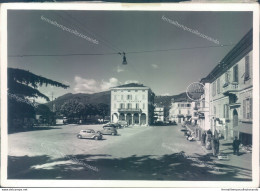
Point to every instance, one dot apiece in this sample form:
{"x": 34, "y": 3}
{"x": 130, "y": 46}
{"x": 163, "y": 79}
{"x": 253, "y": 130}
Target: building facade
{"x": 180, "y": 111}
{"x": 230, "y": 93}
{"x": 132, "y": 103}
{"x": 159, "y": 113}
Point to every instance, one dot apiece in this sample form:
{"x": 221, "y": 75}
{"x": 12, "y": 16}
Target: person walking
{"x": 236, "y": 144}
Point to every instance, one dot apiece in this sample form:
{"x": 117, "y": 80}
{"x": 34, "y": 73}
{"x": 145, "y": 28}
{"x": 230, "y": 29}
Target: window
{"x": 235, "y": 73}
{"x": 143, "y": 96}
{"x": 188, "y": 112}
{"x": 188, "y": 105}
{"x": 136, "y": 97}
{"x": 247, "y": 108}
{"x": 128, "y": 90}
{"x": 179, "y": 111}
{"x": 143, "y": 90}
{"x": 179, "y": 105}
{"x": 215, "y": 110}
{"x": 122, "y": 97}
{"x": 226, "y": 79}
{"x": 247, "y": 67}
{"x": 122, "y": 105}
{"x": 129, "y": 97}
{"x": 136, "y": 90}
{"x": 143, "y": 105}
{"x": 218, "y": 86}
{"x": 226, "y": 111}
{"x": 137, "y": 106}
{"x": 129, "y": 106}
{"x": 214, "y": 89}
{"x": 182, "y": 105}
{"x": 114, "y": 97}
{"x": 115, "y": 105}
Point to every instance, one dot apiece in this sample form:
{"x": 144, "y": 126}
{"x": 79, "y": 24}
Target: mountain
{"x": 94, "y": 99}
{"x": 104, "y": 97}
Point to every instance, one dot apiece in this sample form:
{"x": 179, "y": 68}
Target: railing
{"x": 129, "y": 109}
{"x": 230, "y": 87}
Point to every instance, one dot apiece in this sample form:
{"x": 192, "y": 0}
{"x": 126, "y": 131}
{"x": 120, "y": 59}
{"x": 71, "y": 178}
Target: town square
{"x": 130, "y": 95}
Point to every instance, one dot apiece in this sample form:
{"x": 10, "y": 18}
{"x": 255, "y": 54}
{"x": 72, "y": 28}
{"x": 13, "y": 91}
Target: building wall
{"x": 180, "y": 108}
{"x": 138, "y": 98}
{"x": 159, "y": 113}
{"x": 224, "y": 108}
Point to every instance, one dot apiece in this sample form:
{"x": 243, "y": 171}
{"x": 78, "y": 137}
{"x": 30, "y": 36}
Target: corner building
{"x": 230, "y": 92}
{"x": 133, "y": 103}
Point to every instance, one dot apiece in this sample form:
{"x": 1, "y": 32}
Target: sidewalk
{"x": 243, "y": 162}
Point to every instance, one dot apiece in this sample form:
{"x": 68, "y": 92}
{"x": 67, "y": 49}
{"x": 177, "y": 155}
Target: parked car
{"x": 174, "y": 123}
{"x": 122, "y": 123}
{"x": 108, "y": 130}
{"x": 159, "y": 123}
{"x": 116, "y": 125}
{"x": 90, "y": 134}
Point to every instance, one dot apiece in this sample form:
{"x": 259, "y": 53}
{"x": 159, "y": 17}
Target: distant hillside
{"x": 166, "y": 100}
{"x": 104, "y": 97}
{"x": 94, "y": 99}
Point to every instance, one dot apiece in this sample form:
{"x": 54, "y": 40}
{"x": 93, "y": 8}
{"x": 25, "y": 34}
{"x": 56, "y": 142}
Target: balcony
{"x": 230, "y": 88}
{"x": 131, "y": 110}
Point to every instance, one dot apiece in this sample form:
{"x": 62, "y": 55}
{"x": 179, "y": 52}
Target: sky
{"x": 140, "y": 34}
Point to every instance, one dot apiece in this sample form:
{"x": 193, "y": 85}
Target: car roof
{"x": 87, "y": 129}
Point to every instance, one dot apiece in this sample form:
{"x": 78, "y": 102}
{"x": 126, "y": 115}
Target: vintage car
{"x": 89, "y": 134}
{"x": 108, "y": 130}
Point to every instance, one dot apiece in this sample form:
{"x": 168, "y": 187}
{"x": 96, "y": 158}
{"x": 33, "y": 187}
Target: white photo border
{"x": 218, "y": 7}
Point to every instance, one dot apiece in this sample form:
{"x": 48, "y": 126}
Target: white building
{"x": 230, "y": 92}
{"x": 159, "y": 113}
{"x": 180, "y": 111}
{"x": 203, "y": 110}
{"x": 132, "y": 103}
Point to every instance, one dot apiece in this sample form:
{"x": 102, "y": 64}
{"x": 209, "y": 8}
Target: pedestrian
{"x": 203, "y": 139}
{"x": 236, "y": 144}
{"x": 215, "y": 146}
{"x": 209, "y": 132}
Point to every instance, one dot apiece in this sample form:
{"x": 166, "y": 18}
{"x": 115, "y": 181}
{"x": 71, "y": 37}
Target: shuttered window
{"x": 247, "y": 66}
{"x": 235, "y": 73}
{"x": 250, "y": 108}
{"x": 218, "y": 86}
{"x": 244, "y": 109}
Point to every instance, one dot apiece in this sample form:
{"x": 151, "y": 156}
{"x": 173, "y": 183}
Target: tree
{"x": 22, "y": 85}
{"x": 25, "y": 83}
{"x": 103, "y": 110}
{"x": 72, "y": 108}
{"x": 90, "y": 110}
{"x": 45, "y": 112}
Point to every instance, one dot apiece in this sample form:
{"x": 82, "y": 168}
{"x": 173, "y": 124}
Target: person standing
{"x": 236, "y": 144}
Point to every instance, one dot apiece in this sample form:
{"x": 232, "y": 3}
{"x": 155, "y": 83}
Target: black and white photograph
{"x": 159, "y": 95}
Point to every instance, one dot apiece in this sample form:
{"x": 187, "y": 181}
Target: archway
{"x": 114, "y": 117}
{"x": 136, "y": 118}
{"x": 143, "y": 119}
{"x": 235, "y": 123}
{"x": 129, "y": 119}
{"x": 122, "y": 117}
{"x": 235, "y": 118}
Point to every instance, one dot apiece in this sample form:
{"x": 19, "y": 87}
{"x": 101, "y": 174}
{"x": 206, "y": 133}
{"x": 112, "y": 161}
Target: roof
{"x": 240, "y": 50}
{"x": 131, "y": 85}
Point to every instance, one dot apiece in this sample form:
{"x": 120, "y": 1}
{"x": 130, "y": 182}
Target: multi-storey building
{"x": 159, "y": 113}
{"x": 203, "y": 110}
{"x": 132, "y": 103}
{"x": 230, "y": 92}
{"x": 180, "y": 111}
